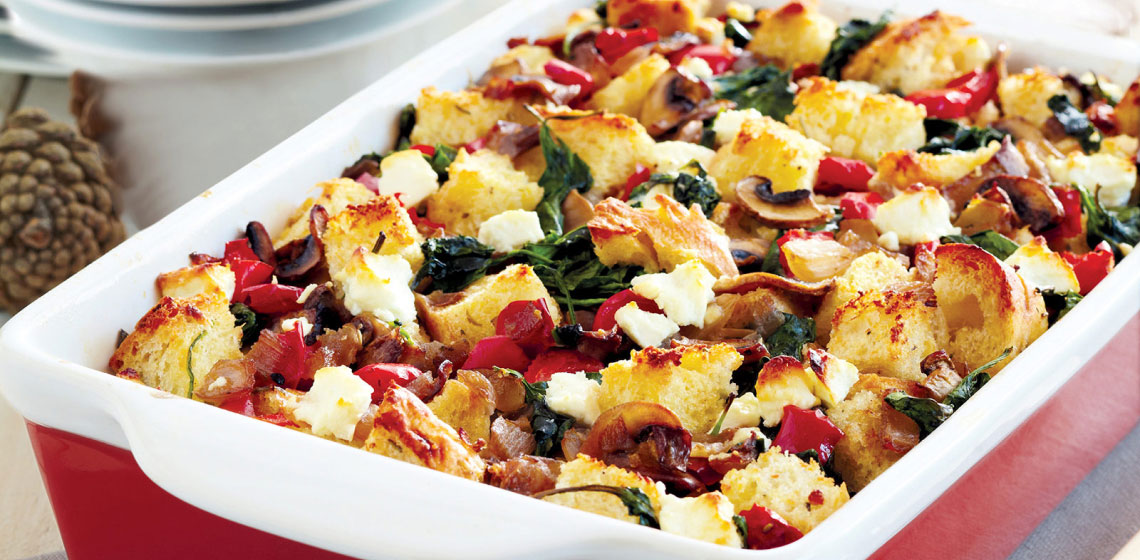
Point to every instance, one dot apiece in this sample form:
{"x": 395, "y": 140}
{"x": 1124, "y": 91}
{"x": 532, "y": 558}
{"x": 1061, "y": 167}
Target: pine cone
{"x": 57, "y": 206}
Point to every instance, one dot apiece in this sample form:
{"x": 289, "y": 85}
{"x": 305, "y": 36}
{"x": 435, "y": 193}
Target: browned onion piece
{"x": 572, "y": 442}
{"x": 646, "y": 438}
{"x": 745, "y": 283}
{"x": 335, "y": 348}
{"x": 512, "y": 139}
{"x": 527, "y": 475}
{"x": 509, "y": 392}
{"x": 509, "y": 439}
{"x": 226, "y": 378}
{"x": 1032, "y": 200}
{"x": 365, "y": 164}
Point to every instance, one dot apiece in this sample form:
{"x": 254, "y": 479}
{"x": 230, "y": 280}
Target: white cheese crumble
{"x": 308, "y": 291}
{"x": 575, "y": 395}
{"x": 697, "y": 67}
{"x": 378, "y": 284}
{"x": 335, "y": 403}
{"x": 836, "y": 379}
{"x": 511, "y": 230}
{"x": 889, "y": 241}
{"x": 299, "y": 322}
{"x": 645, "y": 328}
{"x": 916, "y": 216}
{"x": 743, "y": 412}
{"x": 707, "y": 517}
{"x": 1043, "y": 269}
{"x": 408, "y": 173}
{"x": 673, "y": 156}
{"x": 684, "y": 294}
{"x": 1114, "y": 176}
{"x": 728, "y": 123}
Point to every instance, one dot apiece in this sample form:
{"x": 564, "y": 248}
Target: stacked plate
{"x": 208, "y": 32}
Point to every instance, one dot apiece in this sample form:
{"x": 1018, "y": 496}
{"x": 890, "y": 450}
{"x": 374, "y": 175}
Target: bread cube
{"x": 667, "y": 16}
{"x": 185, "y": 283}
{"x": 464, "y": 318}
{"x": 707, "y": 517}
{"x": 889, "y": 332}
{"x": 455, "y": 118}
{"x": 692, "y": 381}
{"x": 793, "y": 34}
{"x": 916, "y": 54}
{"x": 625, "y": 93}
{"x": 406, "y": 429}
{"x": 1027, "y": 94}
{"x": 585, "y": 470}
{"x": 987, "y": 306}
{"x": 904, "y": 168}
{"x": 771, "y": 149}
{"x": 784, "y": 484}
{"x": 855, "y": 124}
{"x": 525, "y": 59}
{"x": 479, "y": 186}
{"x": 659, "y": 238}
{"x": 1128, "y": 110}
{"x": 360, "y": 226}
{"x": 872, "y": 271}
{"x": 611, "y": 145}
{"x": 336, "y": 195}
{"x": 466, "y": 404}
{"x": 178, "y": 341}
{"x": 875, "y": 435}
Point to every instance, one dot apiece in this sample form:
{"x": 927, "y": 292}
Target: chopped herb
{"x": 849, "y": 38}
{"x": 764, "y": 88}
{"x": 594, "y": 375}
{"x": 249, "y": 322}
{"x": 686, "y": 188}
{"x": 831, "y": 225}
{"x": 946, "y": 136}
{"x": 441, "y": 160}
{"x": 1060, "y": 304}
{"x": 380, "y": 239}
{"x": 736, "y": 31}
{"x": 635, "y": 501}
{"x": 720, "y": 420}
{"x": 1075, "y": 123}
{"x": 790, "y": 337}
{"x": 1113, "y": 225}
{"x": 565, "y": 171}
{"x": 190, "y": 363}
{"x": 278, "y": 379}
{"x": 808, "y": 455}
{"x": 741, "y": 527}
{"x": 993, "y": 242}
{"x": 601, "y": 8}
{"x": 406, "y": 122}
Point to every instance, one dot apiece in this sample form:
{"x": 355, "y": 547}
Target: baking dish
{"x": 338, "y": 499}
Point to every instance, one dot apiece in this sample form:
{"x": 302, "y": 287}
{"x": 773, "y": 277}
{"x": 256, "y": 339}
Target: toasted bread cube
{"x": 872, "y": 271}
{"x": 987, "y": 306}
{"x": 692, "y": 381}
{"x": 916, "y": 54}
{"x": 707, "y": 517}
{"x": 466, "y": 404}
{"x": 875, "y": 435}
{"x": 625, "y": 93}
{"x": 667, "y": 16}
{"x": 611, "y": 145}
{"x": 456, "y": 117}
{"x": 793, "y": 34}
{"x": 1128, "y": 110}
{"x": 784, "y": 484}
{"x": 1111, "y": 176}
{"x": 185, "y": 283}
{"x": 529, "y": 59}
{"x": 1121, "y": 146}
{"x": 479, "y": 186}
{"x": 469, "y": 316}
{"x": 1043, "y": 269}
{"x": 179, "y": 341}
{"x": 1027, "y": 94}
{"x": 771, "y": 149}
{"x": 659, "y": 238}
{"x": 781, "y": 382}
{"x": 904, "y": 168}
{"x": 360, "y": 226}
{"x": 406, "y": 429}
{"x": 336, "y": 195}
{"x": 855, "y": 124}
{"x": 889, "y": 332}
{"x": 584, "y": 470}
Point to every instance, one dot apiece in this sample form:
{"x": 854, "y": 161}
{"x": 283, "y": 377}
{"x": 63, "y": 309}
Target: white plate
{"x": 228, "y": 18}
{"x": 52, "y": 357}
{"x": 192, "y": 3}
{"x": 86, "y": 42}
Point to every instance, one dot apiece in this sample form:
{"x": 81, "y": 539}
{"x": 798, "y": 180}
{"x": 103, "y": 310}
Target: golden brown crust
{"x": 360, "y": 226}
{"x": 406, "y": 429}
{"x": 667, "y": 16}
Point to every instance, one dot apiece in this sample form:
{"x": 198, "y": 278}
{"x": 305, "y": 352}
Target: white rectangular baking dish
{"x": 52, "y": 355}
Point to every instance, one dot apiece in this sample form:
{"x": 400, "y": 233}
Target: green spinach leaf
{"x": 736, "y": 31}
{"x": 849, "y": 38}
{"x": 993, "y": 242}
{"x": 764, "y": 88}
{"x": 406, "y": 123}
{"x": 790, "y": 337}
{"x": 547, "y": 425}
{"x": 1113, "y": 225}
{"x": 686, "y": 188}
{"x": 570, "y": 269}
{"x": 946, "y": 136}
{"x": 249, "y": 322}
{"x": 1060, "y": 304}
{"x": 1075, "y": 123}
{"x": 441, "y": 160}
{"x": 927, "y": 413}
{"x": 190, "y": 364}
{"x": 565, "y": 171}
{"x": 453, "y": 263}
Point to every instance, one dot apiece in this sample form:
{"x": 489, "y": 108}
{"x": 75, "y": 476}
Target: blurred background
{"x": 180, "y": 93}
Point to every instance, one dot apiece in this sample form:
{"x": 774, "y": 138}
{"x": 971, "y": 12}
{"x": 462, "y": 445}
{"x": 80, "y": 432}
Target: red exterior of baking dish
{"x": 107, "y": 508}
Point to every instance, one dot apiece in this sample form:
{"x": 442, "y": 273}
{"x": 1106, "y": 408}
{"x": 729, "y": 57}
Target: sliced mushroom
{"x": 745, "y": 283}
{"x": 1006, "y": 161}
{"x": 260, "y": 242}
{"x": 300, "y": 256}
{"x": 984, "y": 212}
{"x": 751, "y": 349}
{"x": 512, "y": 139}
{"x": 1032, "y": 199}
{"x": 646, "y": 438}
{"x": 941, "y": 375}
{"x": 674, "y": 95}
{"x": 576, "y": 210}
{"x": 795, "y": 209}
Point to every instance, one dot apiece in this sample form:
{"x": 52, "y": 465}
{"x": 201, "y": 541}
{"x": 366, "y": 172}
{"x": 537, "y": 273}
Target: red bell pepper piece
{"x": 962, "y": 96}
{"x": 528, "y": 324}
{"x": 802, "y": 430}
{"x": 640, "y": 175}
{"x": 719, "y": 58}
{"x": 517, "y": 41}
{"x": 860, "y": 205}
{"x": 383, "y": 376}
{"x": 800, "y": 234}
{"x": 613, "y": 43}
{"x": 790, "y": 9}
{"x": 1070, "y": 225}
{"x": 417, "y": 220}
{"x": 424, "y": 149}
{"x": 802, "y": 71}
{"x": 838, "y": 174}
{"x": 699, "y": 467}
{"x": 476, "y": 145}
{"x": 248, "y": 273}
{"x": 239, "y": 250}
{"x": 241, "y": 403}
{"x": 292, "y": 364}
{"x": 766, "y": 529}
{"x": 497, "y": 351}
{"x": 559, "y": 360}
{"x": 570, "y": 75}
{"x": 1091, "y": 267}
{"x": 604, "y": 318}
{"x": 272, "y": 298}
{"x": 1103, "y": 116}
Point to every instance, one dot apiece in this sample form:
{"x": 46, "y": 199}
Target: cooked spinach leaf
{"x": 741, "y": 527}
{"x": 570, "y": 269}
{"x": 547, "y": 425}
{"x": 946, "y": 136}
{"x": 565, "y": 171}
{"x": 772, "y": 264}
{"x": 453, "y": 263}
{"x": 405, "y": 125}
{"x": 1113, "y": 225}
{"x": 441, "y": 160}
{"x": 190, "y": 363}
{"x": 849, "y": 38}
{"x": 634, "y": 500}
{"x": 736, "y": 31}
{"x": 966, "y": 389}
{"x": 1075, "y": 123}
{"x": 601, "y": 8}
{"x": 764, "y": 88}
{"x": 248, "y": 320}
{"x": 686, "y": 188}
{"x": 790, "y": 337}
{"x": 993, "y": 242}
{"x": 927, "y": 413}
{"x": 595, "y": 376}
{"x": 1060, "y": 304}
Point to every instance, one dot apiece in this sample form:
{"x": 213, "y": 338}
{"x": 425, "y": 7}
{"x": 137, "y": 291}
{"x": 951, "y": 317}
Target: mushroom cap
{"x": 58, "y": 206}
